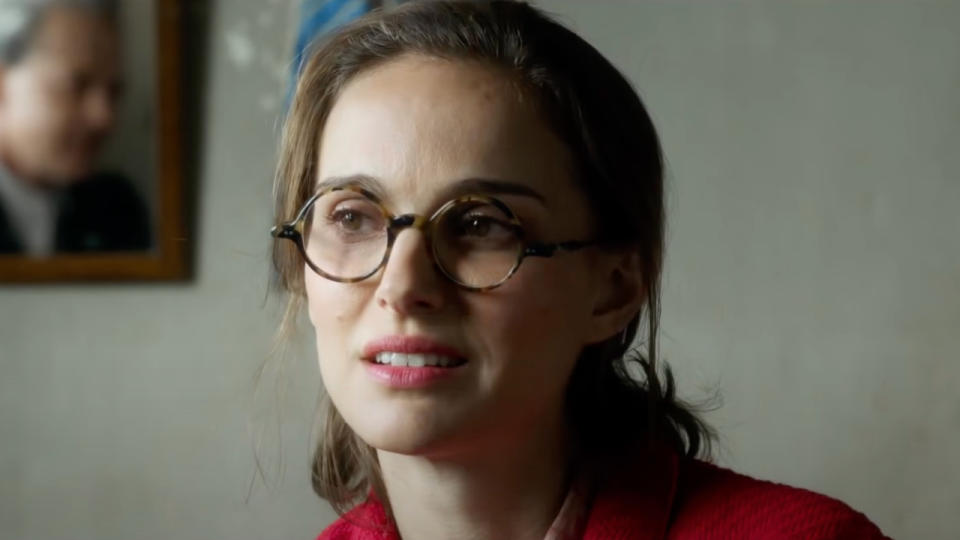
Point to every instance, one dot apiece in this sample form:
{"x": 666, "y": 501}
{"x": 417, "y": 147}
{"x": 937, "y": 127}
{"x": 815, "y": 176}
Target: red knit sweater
{"x": 677, "y": 499}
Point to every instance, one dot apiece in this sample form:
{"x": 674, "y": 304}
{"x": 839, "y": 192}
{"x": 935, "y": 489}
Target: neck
{"x": 511, "y": 490}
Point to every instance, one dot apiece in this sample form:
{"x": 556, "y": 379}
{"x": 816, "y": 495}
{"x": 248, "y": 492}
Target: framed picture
{"x": 91, "y": 172}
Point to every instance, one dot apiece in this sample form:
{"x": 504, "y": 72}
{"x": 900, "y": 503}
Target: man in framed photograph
{"x": 60, "y": 86}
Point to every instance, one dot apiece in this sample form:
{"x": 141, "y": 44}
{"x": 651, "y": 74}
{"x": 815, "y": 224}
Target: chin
{"x": 76, "y": 168}
{"x": 407, "y": 442}
{"x": 68, "y": 176}
{"x": 408, "y": 434}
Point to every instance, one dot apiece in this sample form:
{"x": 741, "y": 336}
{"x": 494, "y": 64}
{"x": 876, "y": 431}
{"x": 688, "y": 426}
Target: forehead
{"x": 76, "y": 35}
{"x": 419, "y": 123}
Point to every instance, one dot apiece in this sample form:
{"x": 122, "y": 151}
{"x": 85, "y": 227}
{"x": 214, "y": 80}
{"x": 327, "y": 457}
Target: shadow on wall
{"x": 195, "y": 37}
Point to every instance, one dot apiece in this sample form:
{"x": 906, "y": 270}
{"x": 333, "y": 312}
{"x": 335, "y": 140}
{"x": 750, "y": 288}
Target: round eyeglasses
{"x": 345, "y": 235}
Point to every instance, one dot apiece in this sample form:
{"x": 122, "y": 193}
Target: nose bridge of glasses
{"x": 408, "y": 221}
{"x": 400, "y": 223}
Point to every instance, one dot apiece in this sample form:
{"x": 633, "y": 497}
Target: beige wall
{"x": 813, "y": 276}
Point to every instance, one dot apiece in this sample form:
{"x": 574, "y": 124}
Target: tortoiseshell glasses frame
{"x": 294, "y": 231}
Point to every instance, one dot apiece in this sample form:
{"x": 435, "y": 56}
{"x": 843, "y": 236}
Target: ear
{"x": 620, "y": 293}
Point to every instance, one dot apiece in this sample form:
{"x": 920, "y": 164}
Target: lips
{"x": 418, "y": 345}
{"x": 412, "y": 362}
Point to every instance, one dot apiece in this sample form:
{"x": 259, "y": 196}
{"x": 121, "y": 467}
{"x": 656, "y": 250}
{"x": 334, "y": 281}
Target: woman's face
{"x": 420, "y": 128}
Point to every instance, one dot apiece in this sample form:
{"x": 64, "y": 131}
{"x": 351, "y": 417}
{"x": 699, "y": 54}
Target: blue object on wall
{"x": 320, "y": 16}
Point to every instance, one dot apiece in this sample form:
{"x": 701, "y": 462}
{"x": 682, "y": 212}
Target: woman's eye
{"x": 481, "y": 226}
{"x": 475, "y": 226}
{"x": 350, "y": 220}
{"x": 347, "y": 219}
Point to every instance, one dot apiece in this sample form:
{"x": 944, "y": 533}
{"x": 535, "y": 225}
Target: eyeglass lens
{"x": 346, "y": 235}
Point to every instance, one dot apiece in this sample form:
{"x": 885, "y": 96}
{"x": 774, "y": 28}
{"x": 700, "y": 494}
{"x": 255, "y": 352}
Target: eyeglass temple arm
{"x": 549, "y": 250}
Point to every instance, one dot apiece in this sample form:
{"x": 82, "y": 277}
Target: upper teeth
{"x": 414, "y": 360}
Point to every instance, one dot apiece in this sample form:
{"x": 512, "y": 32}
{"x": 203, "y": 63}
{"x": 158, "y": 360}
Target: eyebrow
{"x": 364, "y": 181}
{"x": 466, "y": 186}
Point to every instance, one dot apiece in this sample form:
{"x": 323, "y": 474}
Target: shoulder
{"x": 103, "y": 213}
{"x": 111, "y": 186}
{"x": 713, "y": 502}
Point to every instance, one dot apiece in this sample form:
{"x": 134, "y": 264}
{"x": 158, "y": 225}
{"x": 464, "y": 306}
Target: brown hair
{"x": 615, "y": 147}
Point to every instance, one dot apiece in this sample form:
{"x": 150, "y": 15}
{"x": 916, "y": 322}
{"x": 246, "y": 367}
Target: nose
{"x": 100, "y": 108}
{"x": 409, "y": 283}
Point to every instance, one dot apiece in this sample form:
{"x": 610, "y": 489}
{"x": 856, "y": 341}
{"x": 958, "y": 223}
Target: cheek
{"x": 538, "y": 315}
{"x": 37, "y": 115}
{"x": 334, "y": 309}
